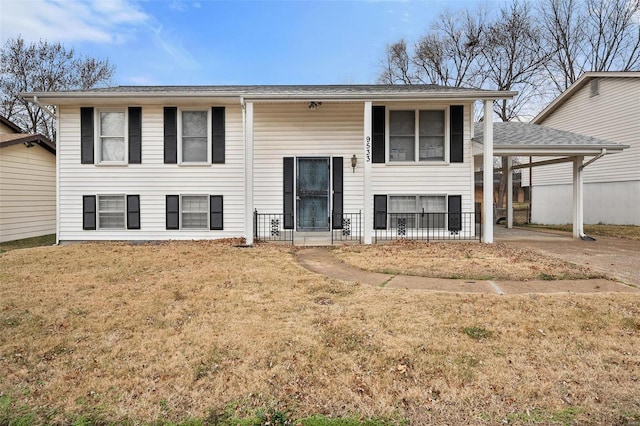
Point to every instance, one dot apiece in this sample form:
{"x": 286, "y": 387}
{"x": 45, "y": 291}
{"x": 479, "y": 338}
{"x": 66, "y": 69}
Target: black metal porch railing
{"x": 346, "y": 227}
{"x": 270, "y": 227}
{"x": 427, "y": 226}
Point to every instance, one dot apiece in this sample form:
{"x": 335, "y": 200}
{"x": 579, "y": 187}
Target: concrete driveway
{"x": 615, "y": 257}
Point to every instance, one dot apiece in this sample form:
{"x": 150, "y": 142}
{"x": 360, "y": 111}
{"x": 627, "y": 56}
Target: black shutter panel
{"x": 456, "y": 133}
{"x": 377, "y": 133}
{"x": 217, "y": 137}
{"x": 133, "y": 212}
{"x": 89, "y": 212}
{"x": 288, "y": 192}
{"x": 379, "y": 212}
{"x": 170, "y": 135}
{"x": 86, "y": 135}
{"x": 135, "y": 135}
{"x": 215, "y": 212}
{"x": 173, "y": 212}
{"x": 338, "y": 202}
{"x": 455, "y": 212}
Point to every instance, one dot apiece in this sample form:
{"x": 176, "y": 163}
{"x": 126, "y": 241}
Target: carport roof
{"x": 527, "y": 139}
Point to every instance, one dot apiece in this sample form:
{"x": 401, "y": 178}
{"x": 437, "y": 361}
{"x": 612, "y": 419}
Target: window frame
{"x": 209, "y": 129}
{"x": 416, "y": 198}
{"x": 98, "y": 137}
{"x": 416, "y": 135}
{"x": 99, "y": 227}
{"x": 206, "y": 213}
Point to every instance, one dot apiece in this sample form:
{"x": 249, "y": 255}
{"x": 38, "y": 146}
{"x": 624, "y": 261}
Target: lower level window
{"x": 194, "y": 211}
{"x": 417, "y": 211}
{"x": 111, "y": 212}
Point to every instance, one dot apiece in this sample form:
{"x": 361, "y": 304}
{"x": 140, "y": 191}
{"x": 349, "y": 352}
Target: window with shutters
{"x": 194, "y": 130}
{"x": 111, "y": 211}
{"x": 194, "y": 211}
{"x": 417, "y": 211}
{"x": 111, "y": 136}
{"x": 417, "y": 135}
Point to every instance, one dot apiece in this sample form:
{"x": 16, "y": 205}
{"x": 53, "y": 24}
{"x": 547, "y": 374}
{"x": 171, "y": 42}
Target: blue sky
{"x": 165, "y": 42}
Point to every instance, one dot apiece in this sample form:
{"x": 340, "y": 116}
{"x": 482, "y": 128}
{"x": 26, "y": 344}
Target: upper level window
{"x": 195, "y": 133}
{"x": 417, "y": 134}
{"x": 112, "y": 136}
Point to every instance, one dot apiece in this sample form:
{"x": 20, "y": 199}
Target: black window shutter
{"x": 456, "y": 133}
{"x": 288, "y": 192}
{"x": 379, "y": 212}
{"x": 133, "y": 212}
{"x": 377, "y": 133}
{"x": 170, "y": 135}
{"x": 217, "y": 136}
{"x": 338, "y": 201}
{"x": 173, "y": 212}
{"x": 89, "y": 212}
{"x": 135, "y": 135}
{"x": 86, "y": 135}
{"x": 216, "y": 212}
{"x": 455, "y": 212}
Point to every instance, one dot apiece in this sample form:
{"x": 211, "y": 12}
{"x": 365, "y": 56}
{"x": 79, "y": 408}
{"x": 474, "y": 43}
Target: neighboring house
{"x": 27, "y": 184}
{"x": 604, "y": 105}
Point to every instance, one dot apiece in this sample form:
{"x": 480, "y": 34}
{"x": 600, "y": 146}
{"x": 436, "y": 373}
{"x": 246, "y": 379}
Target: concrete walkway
{"x": 322, "y": 261}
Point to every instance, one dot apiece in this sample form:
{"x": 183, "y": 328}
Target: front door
{"x": 313, "y": 194}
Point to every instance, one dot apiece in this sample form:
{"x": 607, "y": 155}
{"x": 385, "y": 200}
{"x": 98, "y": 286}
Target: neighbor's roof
{"x": 10, "y": 139}
{"x": 525, "y": 139}
{"x": 577, "y": 85}
{"x": 276, "y": 92}
{"x": 13, "y": 126}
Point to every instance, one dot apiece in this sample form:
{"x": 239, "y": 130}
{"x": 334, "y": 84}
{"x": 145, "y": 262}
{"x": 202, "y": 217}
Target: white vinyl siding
{"x": 27, "y": 192}
{"x": 294, "y": 130}
{"x": 433, "y": 178}
{"x": 152, "y": 180}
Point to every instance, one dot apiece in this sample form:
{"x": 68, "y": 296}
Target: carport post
{"x": 487, "y": 173}
{"x": 578, "y": 211}
{"x": 509, "y": 192}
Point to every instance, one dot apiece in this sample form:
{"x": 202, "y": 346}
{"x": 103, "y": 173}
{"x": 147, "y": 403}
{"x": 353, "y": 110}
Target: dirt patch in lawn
{"x": 462, "y": 260}
{"x": 171, "y": 331}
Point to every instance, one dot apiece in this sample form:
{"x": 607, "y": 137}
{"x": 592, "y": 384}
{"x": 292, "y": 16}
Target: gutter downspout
{"x": 603, "y": 152}
{"x": 44, "y": 108}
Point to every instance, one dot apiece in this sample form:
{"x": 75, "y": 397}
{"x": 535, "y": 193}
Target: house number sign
{"x": 368, "y": 149}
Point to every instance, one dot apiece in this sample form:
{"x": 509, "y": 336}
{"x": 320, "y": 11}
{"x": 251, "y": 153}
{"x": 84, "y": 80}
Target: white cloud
{"x": 102, "y": 21}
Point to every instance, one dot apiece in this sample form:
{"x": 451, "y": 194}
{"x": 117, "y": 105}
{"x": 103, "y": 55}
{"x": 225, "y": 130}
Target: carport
{"x": 549, "y": 146}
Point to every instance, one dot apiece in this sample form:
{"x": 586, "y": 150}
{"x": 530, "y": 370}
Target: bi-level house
{"x": 358, "y": 162}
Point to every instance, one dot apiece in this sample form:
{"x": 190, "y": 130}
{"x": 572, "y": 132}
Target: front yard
{"x": 210, "y": 333}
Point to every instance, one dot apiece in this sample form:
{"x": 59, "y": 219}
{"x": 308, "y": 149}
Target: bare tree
{"x": 590, "y": 35}
{"x": 42, "y": 67}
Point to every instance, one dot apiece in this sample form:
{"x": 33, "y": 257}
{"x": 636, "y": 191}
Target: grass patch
{"x": 45, "y": 240}
{"x": 115, "y": 333}
{"x": 472, "y": 261}
{"x": 628, "y": 232}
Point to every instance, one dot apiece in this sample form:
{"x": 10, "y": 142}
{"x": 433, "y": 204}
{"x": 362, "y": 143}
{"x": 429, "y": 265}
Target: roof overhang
{"x": 28, "y": 140}
{"x": 238, "y": 94}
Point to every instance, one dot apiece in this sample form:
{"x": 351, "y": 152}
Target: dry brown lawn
{"x": 497, "y": 261}
{"x": 173, "y": 330}
{"x": 628, "y": 232}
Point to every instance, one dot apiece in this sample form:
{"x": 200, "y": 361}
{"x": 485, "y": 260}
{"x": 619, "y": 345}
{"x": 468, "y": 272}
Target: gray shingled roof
{"x": 281, "y": 89}
{"x": 527, "y": 135}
